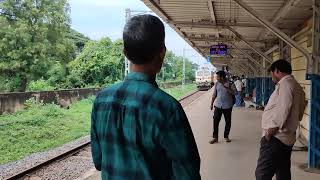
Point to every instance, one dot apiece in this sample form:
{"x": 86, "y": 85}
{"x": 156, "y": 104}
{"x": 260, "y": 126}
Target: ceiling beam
{"x": 212, "y": 25}
{"x": 236, "y": 69}
{"x": 212, "y": 13}
{"x": 275, "y": 30}
{"x": 230, "y": 59}
{"x": 271, "y": 50}
{"x": 222, "y": 25}
{"x": 202, "y": 47}
{"x": 197, "y": 30}
{"x": 211, "y": 41}
{"x": 280, "y": 14}
{"x": 222, "y": 39}
{"x": 212, "y": 38}
{"x": 245, "y": 66}
{"x": 248, "y": 56}
{"x": 250, "y": 45}
{"x": 154, "y": 6}
{"x": 244, "y": 69}
{"x": 218, "y": 64}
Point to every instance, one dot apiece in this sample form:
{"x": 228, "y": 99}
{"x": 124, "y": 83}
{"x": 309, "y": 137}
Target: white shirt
{"x": 284, "y": 110}
{"x": 239, "y": 85}
{"x": 244, "y": 81}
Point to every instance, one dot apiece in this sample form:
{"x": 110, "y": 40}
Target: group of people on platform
{"x": 140, "y": 132}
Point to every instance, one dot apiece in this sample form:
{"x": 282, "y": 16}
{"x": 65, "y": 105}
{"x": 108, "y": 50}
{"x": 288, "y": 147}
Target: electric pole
{"x": 184, "y": 68}
{"x": 126, "y": 60}
{"x": 130, "y": 13}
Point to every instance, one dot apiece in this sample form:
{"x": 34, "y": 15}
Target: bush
{"x": 32, "y": 103}
{"x": 57, "y": 76}
{"x": 40, "y": 85}
{"x": 9, "y": 83}
{"x": 88, "y": 100}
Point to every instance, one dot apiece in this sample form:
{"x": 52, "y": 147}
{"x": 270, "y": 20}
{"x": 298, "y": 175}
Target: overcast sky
{"x": 101, "y": 18}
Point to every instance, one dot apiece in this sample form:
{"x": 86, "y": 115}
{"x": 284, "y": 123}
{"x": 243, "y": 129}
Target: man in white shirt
{"x": 279, "y": 124}
{"x": 244, "y": 81}
{"x": 239, "y": 87}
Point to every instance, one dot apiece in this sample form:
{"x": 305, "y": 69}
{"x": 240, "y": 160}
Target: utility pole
{"x": 126, "y": 61}
{"x": 184, "y": 68}
{"x": 129, "y": 14}
{"x": 163, "y": 74}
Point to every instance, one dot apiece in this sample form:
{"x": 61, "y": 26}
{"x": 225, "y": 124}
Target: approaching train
{"x": 205, "y": 78}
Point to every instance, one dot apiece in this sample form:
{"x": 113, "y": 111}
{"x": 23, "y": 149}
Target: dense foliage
{"x": 172, "y": 68}
{"x": 39, "y": 51}
{"x": 33, "y": 37}
{"x": 100, "y": 63}
{"x": 79, "y": 40}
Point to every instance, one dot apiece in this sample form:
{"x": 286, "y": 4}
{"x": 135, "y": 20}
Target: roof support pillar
{"x": 314, "y": 133}
{"x": 275, "y": 30}
{"x": 254, "y": 70}
{"x": 314, "y": 64}
{"x": 285, "y": 51}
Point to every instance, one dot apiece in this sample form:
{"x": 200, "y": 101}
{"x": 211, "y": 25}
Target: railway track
{"x": 37, "y": 172}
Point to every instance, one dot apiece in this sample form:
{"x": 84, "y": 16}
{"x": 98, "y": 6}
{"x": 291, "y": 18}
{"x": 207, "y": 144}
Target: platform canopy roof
{"x": 203, "y": 23}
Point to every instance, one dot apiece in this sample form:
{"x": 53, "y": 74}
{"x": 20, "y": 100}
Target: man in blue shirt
{"x": 222, "y": 103}
{"x": 137, "y": 130}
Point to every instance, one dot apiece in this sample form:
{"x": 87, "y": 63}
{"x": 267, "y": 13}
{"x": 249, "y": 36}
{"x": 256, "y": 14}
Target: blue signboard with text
{"x": 220, "y": 49}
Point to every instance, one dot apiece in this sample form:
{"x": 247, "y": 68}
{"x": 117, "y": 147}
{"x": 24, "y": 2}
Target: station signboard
{"x": 219, "y": 49}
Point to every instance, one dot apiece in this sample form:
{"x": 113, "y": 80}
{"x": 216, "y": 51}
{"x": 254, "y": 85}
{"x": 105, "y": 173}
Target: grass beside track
{"x": 41, "y": 127}
{"x": 180, "y": 91}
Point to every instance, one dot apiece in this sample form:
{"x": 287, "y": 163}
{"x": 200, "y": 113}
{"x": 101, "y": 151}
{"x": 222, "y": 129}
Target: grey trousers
{"x": 274, "y": 159}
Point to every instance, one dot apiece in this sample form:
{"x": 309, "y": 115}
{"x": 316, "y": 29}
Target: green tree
{"x": 32, "y": 39}
{"x": 100, "y": 63}
{"x": 79, "y": 40}
{"x": 173, "y": 68}
{"x": 39, "y": 85}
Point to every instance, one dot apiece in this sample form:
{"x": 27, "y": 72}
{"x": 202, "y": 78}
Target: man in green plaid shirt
{"x": 137, "y": 130}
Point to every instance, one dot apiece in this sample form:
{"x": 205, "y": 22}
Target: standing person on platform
{"x": 279, "y": 124}
{"x": 137, "y": 130}
{"x": 239, "y": 87}
{"x": 222, "y": 103}
{"x": 244, "y": 81}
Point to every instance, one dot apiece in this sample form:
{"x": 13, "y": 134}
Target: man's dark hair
{"x": 143, "y": 38}
{"x": 281, "y": 65}
{"x": 222, "y": 74}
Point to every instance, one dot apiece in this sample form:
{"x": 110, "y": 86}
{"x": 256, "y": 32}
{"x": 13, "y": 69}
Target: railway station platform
{"x": 229, "y": 161}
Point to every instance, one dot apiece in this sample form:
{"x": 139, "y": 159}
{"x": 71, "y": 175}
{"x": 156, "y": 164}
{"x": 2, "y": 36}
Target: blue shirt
{"x": 223, "y": 97}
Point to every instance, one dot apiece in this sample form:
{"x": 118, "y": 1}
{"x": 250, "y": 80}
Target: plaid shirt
{"x": 140, "y": 132}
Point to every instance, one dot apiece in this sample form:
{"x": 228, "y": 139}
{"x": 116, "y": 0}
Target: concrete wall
{"x": 12, "y": 102}
{"x": 299, "y": 67}
{"x": 173, "y": 84}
